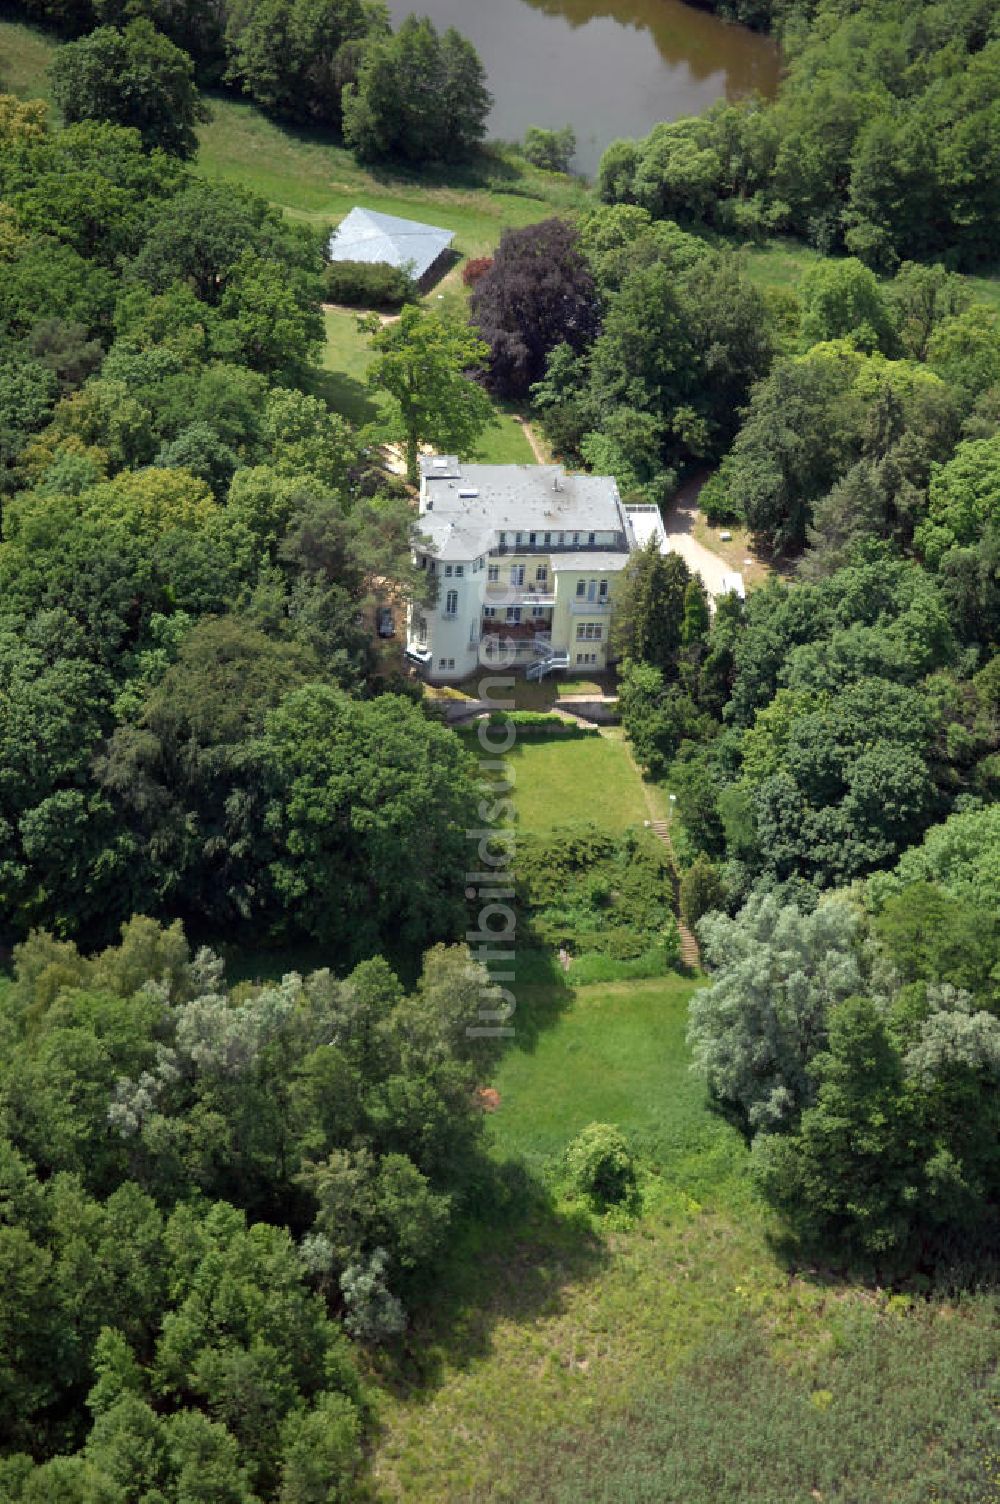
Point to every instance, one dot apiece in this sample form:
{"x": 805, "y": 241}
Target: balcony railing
{"x": 519, "y": 595}
{"x": 514, "y": 650}
{"x": 617, "y": 545}
{"x": 527, "y": 631}
{"x": 589, "y": 608}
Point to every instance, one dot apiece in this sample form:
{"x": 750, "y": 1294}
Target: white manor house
{"x": 528, "y": 562}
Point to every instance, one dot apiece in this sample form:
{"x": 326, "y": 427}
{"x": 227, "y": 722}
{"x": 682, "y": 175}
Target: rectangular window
{"x": 517, "y": 574}
{"x": 451, "y": 603}
{"x": 537, "y": 611}
{"x": 579, "y": 657}
{"x": 520, "y": 538}
{"x": 459, "y": 571}
{"x": 432, "y": 565}
{"x": 447, "y": 571}
{"x": 489, "y": 612}
{"x": 451, "y": 663}
{"x": 603, "y": 593}
{"x": 576, "y": 539}
{"x": 513, "y": 614}
{"x": 542, "y": 574}
{"x": 598, "y": 632}
{"x": 592, "y": 590}
{"x": 548, "y": 538}
{"x": 493, "y": 574}
{"x": 581, "y": 589}
{"x": 442, "y": 663}
{"x": 503, "y": 539}
{"x": 531, "y": 538}
{"x": 591, "y": 539}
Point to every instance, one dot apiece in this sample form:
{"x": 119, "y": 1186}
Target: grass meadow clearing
{"x": 673, "y": 1357}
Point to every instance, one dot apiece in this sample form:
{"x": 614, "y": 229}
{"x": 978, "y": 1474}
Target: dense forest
{"x": 883, "y": 139}
{"x": 215, "y": 1194}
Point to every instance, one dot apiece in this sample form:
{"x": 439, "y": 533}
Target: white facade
{"x": 445, "y": 637}
{"x": 526, "y": 561}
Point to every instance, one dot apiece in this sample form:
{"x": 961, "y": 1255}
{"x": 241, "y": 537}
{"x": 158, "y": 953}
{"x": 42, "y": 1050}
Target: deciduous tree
{"x": 426, "y": 366}
{"x": 135, "y": 77}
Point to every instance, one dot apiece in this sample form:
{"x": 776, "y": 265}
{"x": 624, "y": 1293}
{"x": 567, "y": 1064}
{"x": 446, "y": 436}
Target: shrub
{"x": 553, "y": 150}
{"x": 702, "y": 889}
{"x": 372, "y": 1312}
{"x": 540, "y": 721}
{"x": 368, "y": 284}
{"x": 476, "y": 268}
{"x": 599, "y": 1164}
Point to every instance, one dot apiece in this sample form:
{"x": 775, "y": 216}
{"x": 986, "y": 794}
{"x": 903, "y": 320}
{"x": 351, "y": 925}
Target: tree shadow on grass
{"x": 540, "y": 988}
{"x": 345, "y": 395}
{"x": 487, "y": 168}
{"x": 511, "y": 1259}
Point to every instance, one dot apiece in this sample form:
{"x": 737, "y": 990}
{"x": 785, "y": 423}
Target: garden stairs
{"x": 689, "y": 945}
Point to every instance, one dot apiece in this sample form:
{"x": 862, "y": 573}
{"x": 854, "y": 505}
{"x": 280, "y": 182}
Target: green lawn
{"x": 25, "y": 54}
{"x": 504, "y": 444}
{"x": 313, "y": 177}
{"x": 564, "y": 779}
{"x": 779, "y": 263}
{"x": 346, "y": 358}
{"x": 617, "y": 1056}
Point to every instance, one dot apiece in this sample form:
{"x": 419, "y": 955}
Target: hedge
{"x": 368, "y": 284}
{"x": 539, "y": 721}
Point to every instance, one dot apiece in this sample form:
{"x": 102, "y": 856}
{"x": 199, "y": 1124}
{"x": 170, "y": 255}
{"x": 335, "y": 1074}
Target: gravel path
{"x": 678, "y": 524}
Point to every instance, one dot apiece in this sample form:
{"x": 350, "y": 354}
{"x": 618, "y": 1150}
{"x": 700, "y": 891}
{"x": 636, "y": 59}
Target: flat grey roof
{"x": 464, "y": 507}
{"x": 366, "y": 235}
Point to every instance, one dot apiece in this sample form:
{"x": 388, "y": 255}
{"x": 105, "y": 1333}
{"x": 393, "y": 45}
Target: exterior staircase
{"x": 546, "y": 661}
{"x": 690, "y": 954}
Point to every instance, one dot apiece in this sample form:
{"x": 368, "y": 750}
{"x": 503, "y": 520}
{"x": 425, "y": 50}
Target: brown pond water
{"x": 608, "y": 69}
